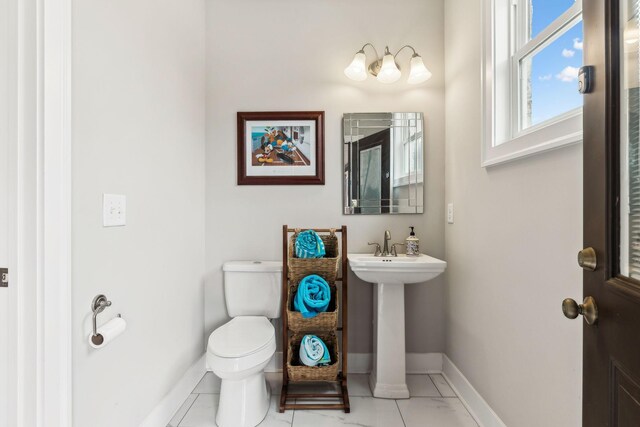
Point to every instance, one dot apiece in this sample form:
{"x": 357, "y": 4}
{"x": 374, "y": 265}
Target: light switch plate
{"x": 114, "y": 210}
{"x": 450, "y": 213}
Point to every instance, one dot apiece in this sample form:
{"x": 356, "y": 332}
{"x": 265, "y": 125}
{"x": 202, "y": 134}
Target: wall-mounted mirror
{"x": 383, "y": 163}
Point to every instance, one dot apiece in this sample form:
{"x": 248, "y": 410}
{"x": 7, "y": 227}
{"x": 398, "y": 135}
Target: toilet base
{"x": 244, "y": 402}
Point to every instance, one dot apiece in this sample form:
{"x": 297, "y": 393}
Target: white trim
{"x": 362, "y": 363}
{"x": 169, "y": 405}
{"x": 424, "y": 363}
{"x": 27, "y": 213}
{"x": 275, "y": 364}
{"x": 469, "y": 396}
{"x": 10, "y": 313}
{"x": 54, "y": 281}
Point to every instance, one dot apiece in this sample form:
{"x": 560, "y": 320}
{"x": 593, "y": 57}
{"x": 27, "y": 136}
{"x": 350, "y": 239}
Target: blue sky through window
{"x": 554, "y": 70}
{"x": 544, "y": 12}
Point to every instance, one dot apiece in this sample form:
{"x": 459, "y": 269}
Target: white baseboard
{"x": 424, "y": 363}
{"x": 275, "y": 365}
{"x": 162, "y": 414}
{"x": 361, "y": 363}
{"x": 475, "y": 404}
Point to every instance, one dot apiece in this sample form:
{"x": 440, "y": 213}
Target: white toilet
{"x": 239, "y": 350}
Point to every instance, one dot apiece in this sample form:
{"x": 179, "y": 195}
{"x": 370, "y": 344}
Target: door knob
{"x": 588, "y": 309}
{"x": 587, "y": 259}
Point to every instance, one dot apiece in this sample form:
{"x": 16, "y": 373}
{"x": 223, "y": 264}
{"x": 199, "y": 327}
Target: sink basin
{"x": 401, "y": 269}
{"x": 389, "y": 274}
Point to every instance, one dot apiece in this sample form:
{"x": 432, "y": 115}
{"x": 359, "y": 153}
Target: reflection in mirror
{"x": 383, "y": 163}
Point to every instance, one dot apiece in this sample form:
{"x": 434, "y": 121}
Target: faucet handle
{"x": 394, "y": 251}
{"x": 378, "y": 251}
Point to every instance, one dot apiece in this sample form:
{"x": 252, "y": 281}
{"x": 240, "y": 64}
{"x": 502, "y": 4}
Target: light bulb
{"x": 357, "y": 70}
{"x": 419, "y": 73}
{"x": 389, "y": 72}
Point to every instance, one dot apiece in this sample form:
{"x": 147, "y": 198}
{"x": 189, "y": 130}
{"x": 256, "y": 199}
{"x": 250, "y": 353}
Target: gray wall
{"x": 511, "y": 253}
{"x": 138, "y": 130}
{"x": 293, "y": 59}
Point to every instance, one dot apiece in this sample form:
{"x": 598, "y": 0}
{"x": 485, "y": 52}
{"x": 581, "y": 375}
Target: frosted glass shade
{"x": 357, "y": 70}
{"x": 419, "y": 73}
{"x": 389, "y": 72}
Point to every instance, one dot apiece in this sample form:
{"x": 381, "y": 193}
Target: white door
{"x": 8, "y": 342}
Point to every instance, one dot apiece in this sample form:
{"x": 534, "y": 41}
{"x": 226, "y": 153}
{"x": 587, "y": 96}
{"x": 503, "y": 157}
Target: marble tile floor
{"x": 433, "y": 403}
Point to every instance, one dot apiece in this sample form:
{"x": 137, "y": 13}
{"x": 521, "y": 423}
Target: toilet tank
{"x": 253, "y": 288}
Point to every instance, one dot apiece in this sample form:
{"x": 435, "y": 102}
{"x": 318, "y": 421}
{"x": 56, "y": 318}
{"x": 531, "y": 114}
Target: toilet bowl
{"x": 238, "y": 352}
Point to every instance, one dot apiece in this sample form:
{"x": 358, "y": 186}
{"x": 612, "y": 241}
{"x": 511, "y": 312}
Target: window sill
{"x": 551, "y": 136}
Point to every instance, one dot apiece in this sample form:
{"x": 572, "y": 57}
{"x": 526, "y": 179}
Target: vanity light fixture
{"x": 386, "y": 70}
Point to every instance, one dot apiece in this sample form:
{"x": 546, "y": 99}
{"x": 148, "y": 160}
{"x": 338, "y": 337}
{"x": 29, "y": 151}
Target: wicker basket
{"x": 300, "y": 372}
{"x": 327, "y": 321}
{"x": 326, "y": 267}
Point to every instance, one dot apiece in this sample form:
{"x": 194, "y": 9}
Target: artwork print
{"x": 280, "y": 148}
{"x": 276, "y": 146}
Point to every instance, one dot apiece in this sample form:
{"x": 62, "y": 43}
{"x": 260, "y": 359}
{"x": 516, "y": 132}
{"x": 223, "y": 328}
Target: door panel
{"x": 611, "y": 180}
{"x": 626, "y": 399}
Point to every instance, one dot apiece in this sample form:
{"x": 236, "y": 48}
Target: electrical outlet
{"x": 114, "y": 210}
{"x": 450, "y": 213}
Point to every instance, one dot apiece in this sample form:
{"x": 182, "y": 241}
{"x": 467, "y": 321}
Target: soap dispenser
{"x": 413, "y": 244}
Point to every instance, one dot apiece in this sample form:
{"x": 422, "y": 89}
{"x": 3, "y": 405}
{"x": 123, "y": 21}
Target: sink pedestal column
{"x": 387, "y": 379}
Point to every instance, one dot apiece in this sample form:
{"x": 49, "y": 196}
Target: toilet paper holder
{"x": 99, "y": 303}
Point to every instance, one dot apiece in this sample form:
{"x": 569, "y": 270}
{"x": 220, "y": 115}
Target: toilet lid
{"x": 241, "y": 336}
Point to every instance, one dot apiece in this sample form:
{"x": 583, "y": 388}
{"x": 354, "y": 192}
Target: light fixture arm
{"x": 403, "y": 47}
{"x": 372, "y": 47}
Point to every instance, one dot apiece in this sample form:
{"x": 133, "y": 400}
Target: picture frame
{"x": 281, "y": 148}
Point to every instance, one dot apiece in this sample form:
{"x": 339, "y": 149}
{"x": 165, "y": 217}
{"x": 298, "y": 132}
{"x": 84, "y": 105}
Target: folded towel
{"x": 309, "y": 245}
{"x": 314, "y": 352}
{"x": 312, "y": 297}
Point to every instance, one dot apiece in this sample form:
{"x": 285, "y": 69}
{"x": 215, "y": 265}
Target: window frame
{"x": 505, "y": 44}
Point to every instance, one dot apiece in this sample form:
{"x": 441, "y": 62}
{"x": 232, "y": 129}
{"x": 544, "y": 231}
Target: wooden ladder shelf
{"x": 339, "y": 399}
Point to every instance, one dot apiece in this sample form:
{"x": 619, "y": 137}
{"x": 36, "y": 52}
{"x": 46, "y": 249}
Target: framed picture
{"x": 281, "y": 148}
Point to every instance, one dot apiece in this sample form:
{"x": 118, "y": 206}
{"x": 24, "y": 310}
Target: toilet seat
{"x": 242, "y": 343}
{"x": 242, "y": 336}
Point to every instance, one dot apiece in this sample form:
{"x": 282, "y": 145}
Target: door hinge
{"x": 4, "y": 277}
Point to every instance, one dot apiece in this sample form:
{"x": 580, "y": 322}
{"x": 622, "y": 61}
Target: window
{"x": 532, "y": 54}
{"x": 408, "y": 156}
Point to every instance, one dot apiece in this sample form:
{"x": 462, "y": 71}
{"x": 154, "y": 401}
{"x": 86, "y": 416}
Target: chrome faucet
{"x": 385, "y": 248}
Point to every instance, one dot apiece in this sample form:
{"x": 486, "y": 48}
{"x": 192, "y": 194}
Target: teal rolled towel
{"x": 312, "y": 297}
{"x": 314, "y": 352}
{"x": 309, "y": 245}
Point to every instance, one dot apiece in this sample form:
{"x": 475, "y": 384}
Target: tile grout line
{"x": 400, "y": 412}
{"x": 449, "y": 384}
{"x": 187, "y": 411}
{"x": 435, "y": 385}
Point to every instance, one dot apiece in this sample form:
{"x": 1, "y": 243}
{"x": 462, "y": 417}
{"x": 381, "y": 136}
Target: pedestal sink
{"x": 390, "y": 274}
